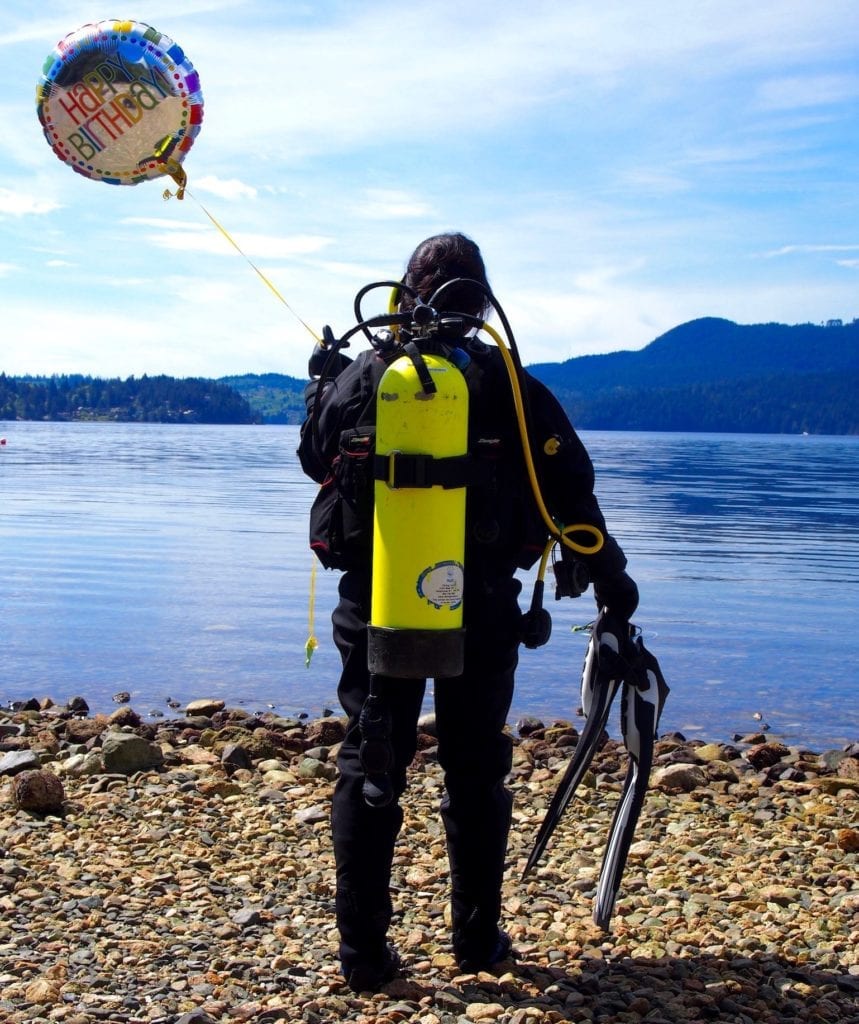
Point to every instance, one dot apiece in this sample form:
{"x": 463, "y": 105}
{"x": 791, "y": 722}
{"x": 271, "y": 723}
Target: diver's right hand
{"x": 321, "y": 353}
{"x": 318, "y": 359}
{"x": 316, "y": 363}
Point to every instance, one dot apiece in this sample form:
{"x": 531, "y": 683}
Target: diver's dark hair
{"x": 444, "y": 258}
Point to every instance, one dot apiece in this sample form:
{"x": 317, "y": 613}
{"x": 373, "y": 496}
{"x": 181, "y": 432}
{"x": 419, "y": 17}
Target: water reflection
{"x": 172, "y": 561}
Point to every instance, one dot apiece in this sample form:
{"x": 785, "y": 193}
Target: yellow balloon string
{"x": 312, "y": 642}
{"x": 177, "y": 173}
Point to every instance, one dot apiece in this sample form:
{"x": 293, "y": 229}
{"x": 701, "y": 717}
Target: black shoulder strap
{"x": 371, "y": 373}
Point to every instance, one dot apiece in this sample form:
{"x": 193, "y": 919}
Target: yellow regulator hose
{"x": 557, "y": 533}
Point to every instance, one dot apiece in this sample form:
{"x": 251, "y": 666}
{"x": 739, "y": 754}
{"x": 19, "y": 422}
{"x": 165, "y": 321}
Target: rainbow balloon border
{"x": 98, "y": 38}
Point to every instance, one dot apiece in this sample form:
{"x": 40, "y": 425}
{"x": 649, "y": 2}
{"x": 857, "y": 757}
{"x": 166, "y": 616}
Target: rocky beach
{"x": 179, "y": 871}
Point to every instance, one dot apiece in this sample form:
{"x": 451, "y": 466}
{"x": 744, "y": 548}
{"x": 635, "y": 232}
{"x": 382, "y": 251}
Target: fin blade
{"x": 602, "y": 693}
{"x": 643, "y": 714}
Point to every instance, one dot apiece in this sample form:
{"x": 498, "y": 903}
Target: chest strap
{"x": 399, "y": 469}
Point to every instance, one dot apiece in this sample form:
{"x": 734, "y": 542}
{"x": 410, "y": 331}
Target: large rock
{"x": 563, "y": 735}
{"x": 765, "y": 755}
{"x": 196, "y": 755}
{"x": 721, "y": 771}
{"x": 125, "y": 716}
{"x": 89, "y": 763}
{"x": 204, "y": 708}
{"x": 311, "y": 768}
{"x": 18, "y": 761}
{"x": 126, "y": 753}
{"x": 683, "y": 777}
{"x": 312, "y": 815}
{"x": 43, "y": 992}
{"x": 25, "y": 705}
{"x": 219, "y": 787}
{"x": 325, "y": 732}
{"x": 847, "y": 839}
{"x": 835, "y": 783}
{"x": 81, "y": 730}
{"x": 261, "y": 744}
{"x": 710, "y": 752}
{"x": 527, "y": 725}
{"x": 235, "y": 756}
{"x": 40, "y": 791}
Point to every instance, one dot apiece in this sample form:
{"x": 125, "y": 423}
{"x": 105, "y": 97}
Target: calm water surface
{"x": 171, "y": 562}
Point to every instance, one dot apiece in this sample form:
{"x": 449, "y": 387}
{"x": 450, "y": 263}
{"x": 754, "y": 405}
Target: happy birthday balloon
{"x": 119, "y": 102}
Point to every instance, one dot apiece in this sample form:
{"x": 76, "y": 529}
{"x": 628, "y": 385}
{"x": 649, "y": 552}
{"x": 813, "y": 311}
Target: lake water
{"x": 171, "y": 562}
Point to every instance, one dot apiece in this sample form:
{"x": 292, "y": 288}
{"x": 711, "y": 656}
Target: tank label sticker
{"x": 442, "y": 584}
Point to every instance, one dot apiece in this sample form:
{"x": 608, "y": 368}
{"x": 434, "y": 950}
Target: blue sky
{"x": 624, "y": 166}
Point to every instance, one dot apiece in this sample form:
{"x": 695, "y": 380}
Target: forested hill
{"x": 715, "y": 375}
{"x": 709, "y": 351}
{"x": 275, "y": 397}
{"x": 135, "y": 400}
{"x": 705, "y": 375}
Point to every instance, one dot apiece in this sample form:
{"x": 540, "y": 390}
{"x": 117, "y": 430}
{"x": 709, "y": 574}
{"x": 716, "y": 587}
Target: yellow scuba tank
{"x": 415, "y": 628}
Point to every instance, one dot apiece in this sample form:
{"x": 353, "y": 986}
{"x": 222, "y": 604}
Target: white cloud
{"x": 224, "y": 188}
{"x": 257, "y": 246}
{"x": 165, "y": 223}
{"x": 518, "y": 59}
{"x": 797, "y": 91}
{"x": 20, "y": 204}
{"x": 624, "y": 167}
{"x": 552, "y": 325}
{"x": 200, "y": 291}
{"x": 652, "y": 181}
{"x": 358, "y": 274}
{"x": 391, "y": 204}
{"x": 793, "y": 250}
{"x": 602, "y": 278}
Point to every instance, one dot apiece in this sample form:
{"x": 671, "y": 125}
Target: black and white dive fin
{"x": 644, "y": 695}
{"x": 601, "y": 679}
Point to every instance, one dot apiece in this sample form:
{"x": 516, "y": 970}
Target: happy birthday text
{"x": 102, "y": 112}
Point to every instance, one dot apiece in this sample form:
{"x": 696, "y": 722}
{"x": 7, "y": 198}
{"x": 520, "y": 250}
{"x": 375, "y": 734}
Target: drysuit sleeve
{"x": 340, "y": 400}
{"x": 314, "y": 448}
{"x": 311, "y": 463}
{"x": 567, "y": 479}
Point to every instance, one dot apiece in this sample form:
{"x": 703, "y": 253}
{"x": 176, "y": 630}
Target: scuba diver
{"x": 434, "y": 314}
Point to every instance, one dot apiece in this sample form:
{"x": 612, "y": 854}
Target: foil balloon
{"x": 120, "y": 102}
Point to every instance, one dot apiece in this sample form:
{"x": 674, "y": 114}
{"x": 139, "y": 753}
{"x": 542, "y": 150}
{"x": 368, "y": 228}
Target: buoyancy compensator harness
{"x": 421, "y": 471}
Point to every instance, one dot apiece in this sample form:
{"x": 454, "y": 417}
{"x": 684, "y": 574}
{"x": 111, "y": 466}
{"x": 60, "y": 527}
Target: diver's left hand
{"x": 618, "y": 593}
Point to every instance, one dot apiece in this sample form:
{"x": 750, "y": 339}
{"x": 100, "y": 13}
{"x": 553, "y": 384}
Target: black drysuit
{"x": 503, "y": 532}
